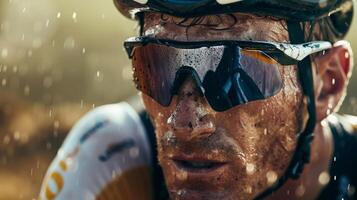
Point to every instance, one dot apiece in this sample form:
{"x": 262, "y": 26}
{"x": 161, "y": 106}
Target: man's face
{"x": 235, "y": 154}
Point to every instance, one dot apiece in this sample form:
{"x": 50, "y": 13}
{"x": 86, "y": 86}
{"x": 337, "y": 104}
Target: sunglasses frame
{"x": 283, "y": 53}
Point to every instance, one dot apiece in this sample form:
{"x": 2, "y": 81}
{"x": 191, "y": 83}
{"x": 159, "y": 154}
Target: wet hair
{"x": 214, "y": 22}
{"x": 321, "y": 29}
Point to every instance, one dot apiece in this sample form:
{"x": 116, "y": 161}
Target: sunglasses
{"x": 229, "y": 73}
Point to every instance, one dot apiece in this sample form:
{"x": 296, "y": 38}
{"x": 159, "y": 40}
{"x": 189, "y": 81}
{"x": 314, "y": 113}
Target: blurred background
{"x": 59, "y": 59}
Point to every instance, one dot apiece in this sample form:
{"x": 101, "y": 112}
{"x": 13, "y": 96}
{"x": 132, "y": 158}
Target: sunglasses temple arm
{"x": 299, "y": 52}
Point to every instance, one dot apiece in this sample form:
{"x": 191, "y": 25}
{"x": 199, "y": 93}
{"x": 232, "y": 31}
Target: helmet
{"x": 338, "y": 13}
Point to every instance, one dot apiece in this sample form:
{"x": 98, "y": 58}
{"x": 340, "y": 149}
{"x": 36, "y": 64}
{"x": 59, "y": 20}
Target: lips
{"x": 197, "y": 164}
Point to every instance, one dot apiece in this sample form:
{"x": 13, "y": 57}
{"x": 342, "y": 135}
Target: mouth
{"x": 198, "y": 166}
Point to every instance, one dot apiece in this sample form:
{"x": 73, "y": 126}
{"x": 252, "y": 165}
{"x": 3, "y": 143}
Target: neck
{"x": 308, "y": 185}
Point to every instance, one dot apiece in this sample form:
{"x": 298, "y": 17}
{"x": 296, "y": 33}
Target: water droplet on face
{"x": 169, "y": 137}
{"x": 300, "y": 191}
{"x": 333, "y": 81}
{"x": 324, "y": 178}
{"x": 250, "y": 168}
{"x": 249, "y": 189}
{"x": 181, "y": 175}
{"x": 272, "y": 177}
{"x": 181, "y": 193}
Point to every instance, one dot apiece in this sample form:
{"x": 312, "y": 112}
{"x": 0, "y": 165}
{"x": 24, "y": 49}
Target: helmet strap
{"x": 302, "y": 152}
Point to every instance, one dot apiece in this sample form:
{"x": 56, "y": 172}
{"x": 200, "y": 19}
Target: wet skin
{"x": 249, "y": 145}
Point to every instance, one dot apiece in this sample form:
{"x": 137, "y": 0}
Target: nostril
{"x": 190, "y": 125}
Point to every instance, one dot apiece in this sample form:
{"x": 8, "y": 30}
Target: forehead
{"x": 237, "y": 26}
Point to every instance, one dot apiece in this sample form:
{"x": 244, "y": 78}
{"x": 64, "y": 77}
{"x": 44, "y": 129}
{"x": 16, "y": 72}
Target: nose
{"x": 192, "y": 117}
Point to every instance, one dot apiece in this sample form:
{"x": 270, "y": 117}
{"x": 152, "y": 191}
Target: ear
{"x": 333, "y": 71}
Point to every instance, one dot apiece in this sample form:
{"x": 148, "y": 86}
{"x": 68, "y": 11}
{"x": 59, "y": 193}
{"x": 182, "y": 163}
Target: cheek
{"x": 266, "y": 130}
{"x": 159, "y": 116}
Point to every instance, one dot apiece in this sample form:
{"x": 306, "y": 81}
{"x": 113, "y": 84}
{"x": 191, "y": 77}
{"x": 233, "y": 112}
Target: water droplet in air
{"x": 48, "y": 145}
{"x": 324, "y": 178}
{"x": 59, "y": 15}
{"x": 6, "y": 140}
{"x": 27, "y": 90}
{"x": 47, "y": 82}
{"x": 69, "y": 43}
{"x": 4, "y": 52}
{"x": 74, "y": 17}
{"x": 3, "y": 82}
{"x": 29, "y": 53}
{"x": 37, "y": 43}
{"x": 17, "y": 135}
{"x": 56, "y": 124}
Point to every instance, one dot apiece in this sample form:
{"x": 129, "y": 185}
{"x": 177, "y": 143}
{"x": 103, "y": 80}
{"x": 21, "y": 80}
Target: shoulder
{"x": 107, "y": 144}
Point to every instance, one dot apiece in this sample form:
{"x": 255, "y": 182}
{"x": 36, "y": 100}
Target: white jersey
{"x": 106, "y": 156}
